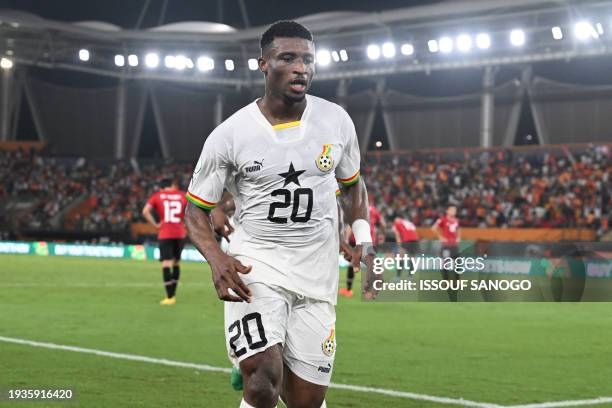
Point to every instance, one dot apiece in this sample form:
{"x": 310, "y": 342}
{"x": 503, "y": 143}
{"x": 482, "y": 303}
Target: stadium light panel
{"x": 343, "y": 55}
{"x": 335, "y": 56}
{"x": 323, "y": 58}
{"x": 119, "y": 60}
{"x": 6, "y": 63}
{"x": 483, "y": 41}
{"x": 378, "y": 144}
{"x": 388, "y": 50}
{"x": 170, "y": 61}
{"x": 583, "y": 30}
{"x": 600, "y": 29}
{"x": 180, "y": 62}
{"x": 373, "y": 51}
{"x": 557, "y": 33}
{"x": 407, "y": 49}
{"x": 132, "y": 60}
{"x": 189, "y": 63}
{"x": 229, "y": 64}
{"x": 253, "y": 64}
{"x": 84, "y": 55}
{"x": 433, "y": 46}
{"x": 517, "y": 38}
{"x": 464, "y": 43}
{"x": 446, "y": 45}
{"x": 152, "y": 60}
{"x": 205, "y": 63}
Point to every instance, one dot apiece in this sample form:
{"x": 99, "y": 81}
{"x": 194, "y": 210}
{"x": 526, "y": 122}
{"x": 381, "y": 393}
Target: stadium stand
{"x": 551, "y": 187}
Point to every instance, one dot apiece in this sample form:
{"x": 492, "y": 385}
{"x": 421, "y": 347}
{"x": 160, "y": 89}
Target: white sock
{"x": 323, "y": 405}
{"x": 244, "y": 404}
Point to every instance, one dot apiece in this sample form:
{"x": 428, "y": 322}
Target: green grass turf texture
{"x": 504, "y": 353}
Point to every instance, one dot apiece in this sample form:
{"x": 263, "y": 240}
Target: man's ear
{"x": 263, "y": 65}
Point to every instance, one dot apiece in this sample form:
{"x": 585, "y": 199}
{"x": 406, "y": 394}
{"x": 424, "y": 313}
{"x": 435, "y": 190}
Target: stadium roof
{"x": 344, "y": 35}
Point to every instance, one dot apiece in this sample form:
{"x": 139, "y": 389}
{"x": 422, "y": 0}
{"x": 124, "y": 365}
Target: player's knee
{"x": 262, "y": 385}
{"x": 176, "y": 262}
{"x": 263, "y": 390}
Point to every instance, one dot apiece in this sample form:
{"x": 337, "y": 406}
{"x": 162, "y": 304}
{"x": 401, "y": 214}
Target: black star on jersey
{"x": 291, "y": 176}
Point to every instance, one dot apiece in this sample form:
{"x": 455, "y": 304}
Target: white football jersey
{"x": 284, "y": 179}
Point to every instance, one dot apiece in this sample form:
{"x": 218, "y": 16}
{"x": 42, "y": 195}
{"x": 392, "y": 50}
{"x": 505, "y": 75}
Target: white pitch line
{"x": 356, "y": 388}
{"x": 121, "y": 356}
{"x": 575, "y": 403}
{"x": 93, "y": 286}
{"x": 205, "y": 367}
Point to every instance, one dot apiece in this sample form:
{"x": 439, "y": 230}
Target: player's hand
{"x": 158, "y": 225}
{"x": 225, "y": 270}
{"x": 346, "y": 250}
{"x": 369, "y": 276}
{"x": 220, "y": 222}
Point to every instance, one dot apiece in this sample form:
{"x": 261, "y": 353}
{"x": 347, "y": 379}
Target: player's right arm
{"x": 204, "y": 194}
{"x": 436, "y": 229}
{"x": 147, "y": 213}
{"x": 224, "y": 268}
{"x": 398, "y": 238}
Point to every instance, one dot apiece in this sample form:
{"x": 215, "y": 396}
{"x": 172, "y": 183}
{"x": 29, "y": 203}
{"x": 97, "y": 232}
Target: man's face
{"x": 289, "y": 67}
{"x": 451, "y": 211}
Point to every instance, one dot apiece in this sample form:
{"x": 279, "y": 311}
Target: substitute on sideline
{"x": 281, "y": 157}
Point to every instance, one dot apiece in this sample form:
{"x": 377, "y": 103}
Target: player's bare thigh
{"x": 299, "y": 393}
{"x": 262, "y": 375}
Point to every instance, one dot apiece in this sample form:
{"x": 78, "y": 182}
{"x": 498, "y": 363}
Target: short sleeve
{"x": 347, "y": 171}
{"x": 152, "y": 200}
{"x": 210, "y": 173}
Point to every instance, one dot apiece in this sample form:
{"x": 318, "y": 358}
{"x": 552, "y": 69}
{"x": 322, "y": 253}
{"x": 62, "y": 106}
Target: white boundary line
{"x": 204, "y": 367}
{"x": 356, "y": 388}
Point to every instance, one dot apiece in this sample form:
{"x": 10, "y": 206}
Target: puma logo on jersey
{"x": 325, "y": 370}
{"x": 258, "y": 165}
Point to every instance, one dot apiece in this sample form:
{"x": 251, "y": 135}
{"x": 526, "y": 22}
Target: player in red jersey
{"x": 169, "y": 203}
{"x": 406, "y": 238}
{"x": 447, "y": 230}
{"x": 375, "y": 219}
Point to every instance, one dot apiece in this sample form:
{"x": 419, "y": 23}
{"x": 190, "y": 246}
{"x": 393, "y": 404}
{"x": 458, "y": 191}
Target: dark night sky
{"x": 124, "y": 13}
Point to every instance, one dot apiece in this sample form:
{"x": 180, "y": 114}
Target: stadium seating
{"x": 538, "y": 188}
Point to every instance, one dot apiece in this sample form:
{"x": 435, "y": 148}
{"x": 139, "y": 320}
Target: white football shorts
{"x": 304, "y": 327}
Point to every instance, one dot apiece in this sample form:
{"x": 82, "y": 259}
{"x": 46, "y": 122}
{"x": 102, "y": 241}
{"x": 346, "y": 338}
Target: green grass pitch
{"x": 501, "y": 353}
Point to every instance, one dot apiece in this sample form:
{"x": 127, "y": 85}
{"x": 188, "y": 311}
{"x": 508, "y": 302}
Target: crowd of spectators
{"x": 499, "y": 188}
{"x": 502, "y": 188}
{"x": 114, "y": 192}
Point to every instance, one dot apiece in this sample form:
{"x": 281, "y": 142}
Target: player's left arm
{"x": 220, "y": 215}
{"x": 355, "y": 206}
{"x": 354, "y": 196}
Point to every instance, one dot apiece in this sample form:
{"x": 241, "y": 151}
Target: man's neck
{"x": 277, "y": 111}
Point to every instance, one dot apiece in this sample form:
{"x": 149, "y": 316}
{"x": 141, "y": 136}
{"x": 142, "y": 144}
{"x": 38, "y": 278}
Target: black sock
{"x": 350, "y": 275}
{"x": 168, "y": 282}
{"x": 176, "y": 274}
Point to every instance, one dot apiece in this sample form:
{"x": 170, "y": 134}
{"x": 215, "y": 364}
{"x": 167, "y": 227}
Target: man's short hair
{"x": 166, "y": 182}
{"x": 284, "y": 29}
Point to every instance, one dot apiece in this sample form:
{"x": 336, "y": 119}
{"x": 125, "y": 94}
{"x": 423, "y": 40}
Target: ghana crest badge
{"x": 324, "y": 161}
{"x": 329, "y": 345}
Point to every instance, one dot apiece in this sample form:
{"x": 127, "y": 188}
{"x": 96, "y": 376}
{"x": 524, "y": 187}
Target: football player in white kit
{"x": 281, "y": 157}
